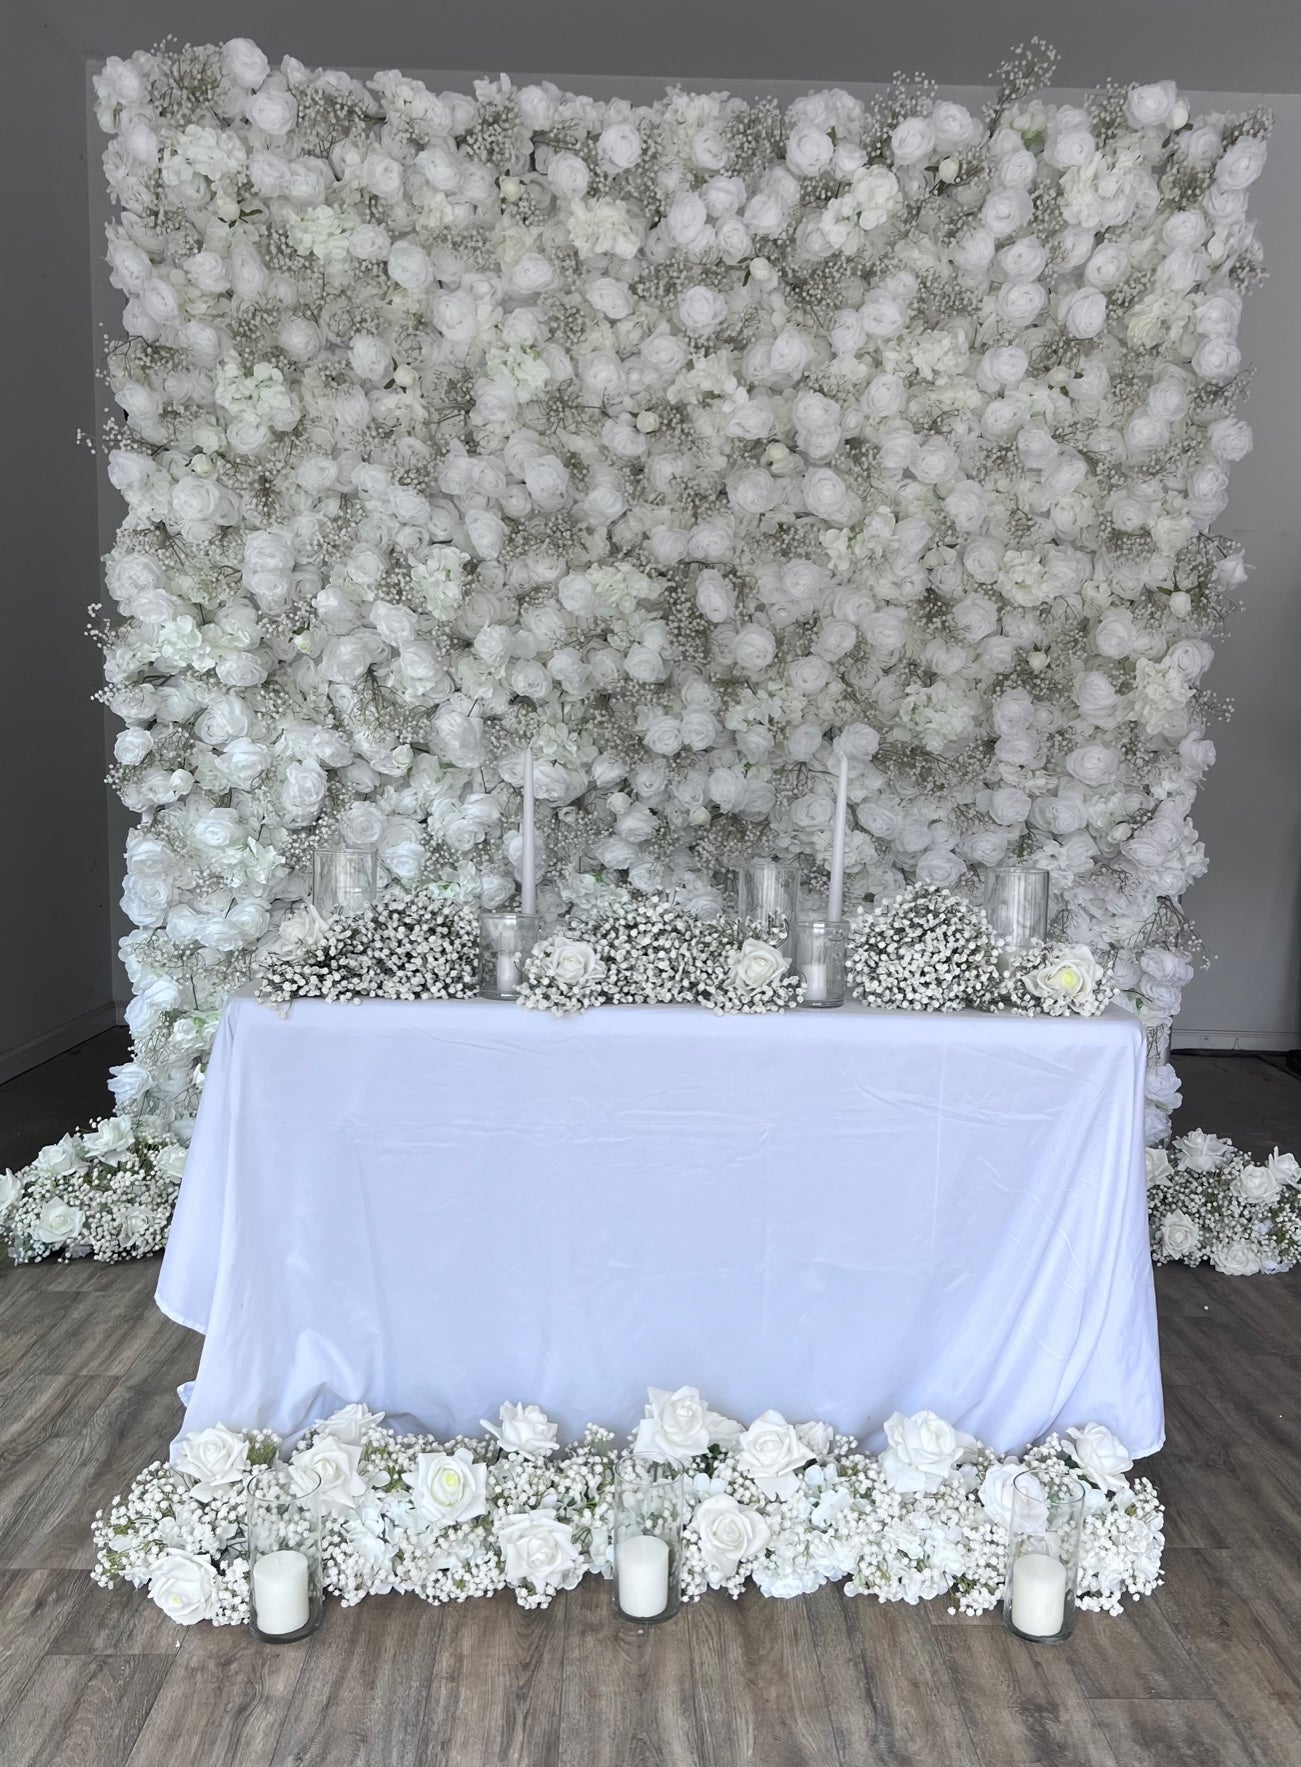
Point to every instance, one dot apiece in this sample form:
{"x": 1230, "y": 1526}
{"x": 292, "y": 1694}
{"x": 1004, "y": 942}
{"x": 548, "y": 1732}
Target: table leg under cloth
{"x": 438, "y": 1207}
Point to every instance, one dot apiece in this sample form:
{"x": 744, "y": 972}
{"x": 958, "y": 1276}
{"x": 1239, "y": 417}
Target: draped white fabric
{"x": 435, "y": 1208}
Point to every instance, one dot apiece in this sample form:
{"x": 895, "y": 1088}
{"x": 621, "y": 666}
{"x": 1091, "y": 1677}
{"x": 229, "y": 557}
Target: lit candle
{"x": 528, "y": 894}
{"x": 836, "y": 893}
{"x": 1038, "y": 1594}
{"x": 642, "y": 1568}
{"x": 280, "y": 1592}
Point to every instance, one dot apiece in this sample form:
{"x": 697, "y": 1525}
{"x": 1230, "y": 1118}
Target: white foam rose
{"x": 772, "y": 1452}
{"x": 1258, "y": 1186}
{"x": 1068, "y": 976}
{"x": 923, "y": 1450}
{"x": 448, "y": 1488}
{"x": 213, "y": 1458}
{"x": 728, "y": 1532}
{"x": 538, "y": 1549}
{"x": 524, "y": 1429}
{"x": 184, "y": 1586}
{"x": 756, "y": 965}
{"x": 679, "y": 1425}
{"x": 996, "y": 1496}
{"x": 1100, "y": 1456}
{"x": 572, "y": 962}
{"x": 336, "y": 1465}
{"x": 58, "y": 1222}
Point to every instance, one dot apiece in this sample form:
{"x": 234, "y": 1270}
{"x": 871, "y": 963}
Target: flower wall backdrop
{"x": 692, "y": 444}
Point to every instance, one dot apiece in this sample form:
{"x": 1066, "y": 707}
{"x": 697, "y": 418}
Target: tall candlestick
{"x": 528, "y": 894}
{"x": 836, "y": 894}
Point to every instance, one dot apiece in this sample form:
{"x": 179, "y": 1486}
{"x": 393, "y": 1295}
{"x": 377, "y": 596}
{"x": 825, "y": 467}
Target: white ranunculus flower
{"x": 524, "y": 1429}
{"x": 756, "y": 965}
{"x": 1100, "y": 1456}
{"x": 58, "y": 1223}
{"x": 728, "y": 1533}
{"x": 184, "y": 1586}
{"x": 448, "y": 1488}
{"x": 679, "y": 1425}
{"x": 923, "y": 1450}
{"x": 772, "y": 1452}
{"x": 538, "y": 1549}
{"x": 213, "y": 1458}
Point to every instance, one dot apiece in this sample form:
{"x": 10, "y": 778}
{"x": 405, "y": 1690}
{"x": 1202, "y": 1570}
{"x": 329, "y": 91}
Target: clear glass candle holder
{"x": 285, "y": 1598}
{"x": 344, "y": 880}
{"x": 505, "y": 940}
{"x": 1043, "y": 1559}
{"x": 820, "y": 959}
{"x": 768, "y": 896}
{"x": 1016, "y": 907}
{"x": 646, "y": 1542}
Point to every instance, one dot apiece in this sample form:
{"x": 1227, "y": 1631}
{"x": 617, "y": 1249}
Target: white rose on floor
{"x": 772, "y": 1453}
{"x": 213, "y": 1458}
{"x": 351, "y": 1423}
{"x": 1201, "y": 1152}
{"x": 1158, "y": 1165}
{"x": 448, "y": 1488}
{"x": 755, "y": 965}
{"x": 1100, "y": 1456}
{"x": 1069, "y": 976}
{"x": 184, "y": 1587}
{"x": 571, "y": 962}
{"x": 679, "y": 1425}
{"x": 923, "y": 1450}
{"x": 539, "y": 1550}
{"x": 1236, "y": 1257}
{"x": 335, "y": 1464}
{"x": 1285, "y": 1167}
{"x": 10, "y": 1191}
{"x": 523, "y": 1429}
{"x": 58, "y": 1222}
{"x": 996, "y": 1496}
{"x": 109, "y": 1140}
{"x": 1258, "y": 1185}
{"x": 728, "y": 1532}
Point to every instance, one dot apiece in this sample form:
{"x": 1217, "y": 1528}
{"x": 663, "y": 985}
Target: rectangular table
{"x": 438, "y": 1207}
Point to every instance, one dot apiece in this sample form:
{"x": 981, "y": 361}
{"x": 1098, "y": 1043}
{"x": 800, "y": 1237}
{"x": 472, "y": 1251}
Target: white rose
{"x": 619, "y": 146}
{"x": 922, "y": 1451}
{"x": 1258, "y": 1185}
{"x": 754, "y": 966}
{"x": 335, "y": 1464}
{"x": 808, "y": 150}
{"x": 679, "y": 1425}
{"x": 274, "y": 112}
{"x": 351, "y": 1423}
{"x": 996, "y": 1496}
{"x": 1285, "y": 1167}
{"x": 1179, "y": 1236}
{"x": 568, "y": 176}
{"x": 715, "y": 597}
{"x": 409, "y": 266}
{"x": 701, "y": 309}
{"x": 245, "y": 62}
{"x": 448, "y": 1488}
{"x": 1237, "y": 1257}
{"x": 524, "y": 1429}
{"x": 539, "y": 1550}
{"x": 1021, "y": 303}
{"x": 912, "y": 141}
{"x": 10, "y": 1190}
{"x": 109, "y": 1140}
{"x": 571, "y": 962}
{"x": 1242, "y": 163}
{"x": 1100, "y": 1456}
{"x": 1201, "y": 1152}
{"x": 771, "y": 1450}
{"x": 1068, "y": 976}
{"x": 728, "y": 1532}
{"x": 1083, "y": 312}
{"x": 1006, "y": 211}
{"x": 1216, "y": 359}
{"x": 184, "y": 1586}
{"x": 754, "y": 649}
{"x": 58, "y": 1222}
{"x": 1151, "y": 107}
{"x": 213, "y": 1458}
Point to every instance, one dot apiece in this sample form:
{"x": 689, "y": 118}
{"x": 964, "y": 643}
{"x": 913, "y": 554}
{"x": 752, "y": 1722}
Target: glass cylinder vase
{"x": 768, "y": 896}
{"x": 1043, "y": 1559}
{"x": 820, "y": 959}
{"x": 1016, "y": 907}
{"x": 646, "y": 1542}
{"x": 285, "y": 1598}
{"x": 505, "y": 940}
{"x": 344, "y": 880}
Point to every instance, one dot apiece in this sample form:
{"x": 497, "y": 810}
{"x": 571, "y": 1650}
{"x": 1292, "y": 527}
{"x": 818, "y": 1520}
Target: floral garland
{"x": 107, "y": 1191}
{"x": 787, "y": 1507}
{"x": 1207, "y": 1199}
{"x": 689, "y": 443}
{"x": 407, "y": 946}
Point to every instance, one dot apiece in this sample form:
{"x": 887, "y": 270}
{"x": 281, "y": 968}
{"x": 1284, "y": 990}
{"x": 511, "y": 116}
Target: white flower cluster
{"x": 107, "y": 1191}
{"x": 786, "y": 1506}
{"x": 1207, "y": 1199}
{"x": 1063, "y": 981}
{"x": 414, "y": 945}
{"x": 925, "y": 950}
{"x": 630, "y": 950}
{"x": 689, "y": 443}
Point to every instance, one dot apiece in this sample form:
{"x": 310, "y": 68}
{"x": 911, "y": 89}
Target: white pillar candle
{"x": 642, "y": 1568}
{"x": 507, "y": 973}
{"x": 1038, "y": 1594}
{"x": 280, "y": 1592}
{"x": 528, "y": 894}
{"x": 836, "y": 893}
{"x": 815, "y": 979}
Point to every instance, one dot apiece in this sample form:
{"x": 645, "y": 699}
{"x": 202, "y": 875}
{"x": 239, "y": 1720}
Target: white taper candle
{"x": 836, "y": 893}
{"x": 528, "y": 893}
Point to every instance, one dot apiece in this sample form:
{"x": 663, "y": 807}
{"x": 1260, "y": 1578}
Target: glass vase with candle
{"x": 1016, "y": 907}
{"x": 646, "y": 1541}
{"x": 284, "y": 1554}
{"x": 820, "y": 959}
{"x": 505, "y": 940}
{"x": 344, "y": 880}
{"x": 768, "y": 897}
{"x": 1043, "y": 1558}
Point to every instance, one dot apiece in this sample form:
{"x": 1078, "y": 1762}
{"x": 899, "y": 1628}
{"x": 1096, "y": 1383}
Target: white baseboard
{"x": 51, "y": 1043}
{"x": 1254, "y": 1042}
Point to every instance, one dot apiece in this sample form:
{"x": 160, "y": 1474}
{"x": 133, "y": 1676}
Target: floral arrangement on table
{"x": 410, "y": 945}
{"x": 1206, "y": 1199}
{"x": 108, "y": 1191}
{"x": 785, "y": 1506}
{"x": 688, "y": 443}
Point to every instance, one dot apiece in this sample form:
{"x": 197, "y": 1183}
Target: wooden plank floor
{"x": 1204, "y": 1675}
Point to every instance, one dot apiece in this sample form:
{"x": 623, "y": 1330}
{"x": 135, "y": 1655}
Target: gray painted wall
{"x": 63, "y": 847}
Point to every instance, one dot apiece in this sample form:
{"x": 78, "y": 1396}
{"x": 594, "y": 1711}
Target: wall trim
{"x": 1257, "y": 1042}
{"x": 63, "y": 1037}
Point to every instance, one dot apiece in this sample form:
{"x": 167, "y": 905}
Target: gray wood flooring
{"x": 1204, "y": 1675}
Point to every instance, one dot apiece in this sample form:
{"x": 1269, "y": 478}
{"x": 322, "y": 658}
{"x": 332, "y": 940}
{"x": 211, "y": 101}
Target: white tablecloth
{"x": 435, "y": 1208}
